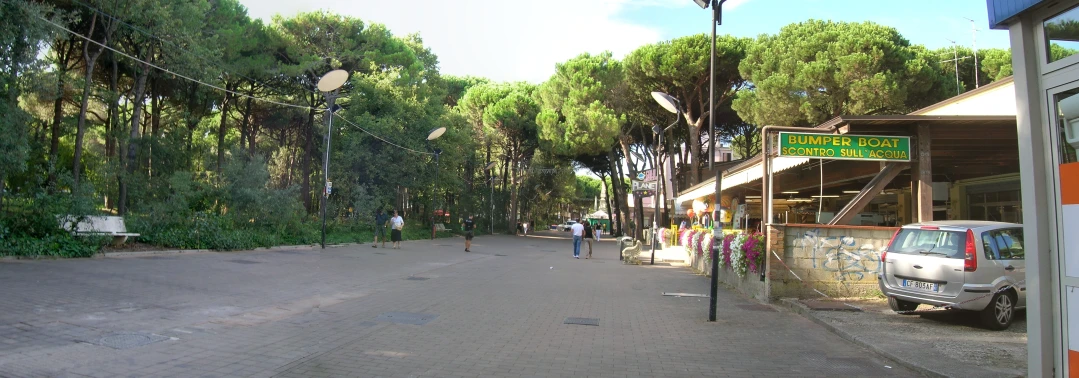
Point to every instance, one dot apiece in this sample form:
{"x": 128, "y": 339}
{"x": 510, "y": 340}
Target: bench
{"x": 631, "y": 254}
{"x": 95, "y": 225}
{"x": 440, "y": 227}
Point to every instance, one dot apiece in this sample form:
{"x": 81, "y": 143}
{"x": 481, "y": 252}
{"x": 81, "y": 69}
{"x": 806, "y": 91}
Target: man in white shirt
{"x": 578, "y": 235}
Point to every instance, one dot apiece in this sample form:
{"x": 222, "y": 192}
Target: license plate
{"x": 921, "y": 285}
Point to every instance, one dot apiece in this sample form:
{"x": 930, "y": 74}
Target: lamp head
{"x": 332, "y": 80}
{"x": 666, "y": 101}
{"x": 702, "y": 3}
{"x": 435, "y": 133}
{"x": 490, "y": 165}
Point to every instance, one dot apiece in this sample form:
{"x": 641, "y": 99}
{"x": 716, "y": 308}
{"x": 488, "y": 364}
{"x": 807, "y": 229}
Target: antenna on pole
{"x": 955, "y": 53}
{"x": 974, "y": 39}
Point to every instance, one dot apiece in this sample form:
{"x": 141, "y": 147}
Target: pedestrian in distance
{"x": 589, "y": 234}
{"x": 578, "y": 235}
{"x": 381, "y": 219}
{"x": 398, "y": 224}
{"x": 519, "y": 228}
{"x": 469, "y": 226}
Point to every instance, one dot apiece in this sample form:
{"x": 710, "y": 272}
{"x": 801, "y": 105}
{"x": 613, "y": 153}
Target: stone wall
{"x": 841, "y": 261}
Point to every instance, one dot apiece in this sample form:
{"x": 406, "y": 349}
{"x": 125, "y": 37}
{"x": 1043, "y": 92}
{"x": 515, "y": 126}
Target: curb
{"x": 797, "y": 307}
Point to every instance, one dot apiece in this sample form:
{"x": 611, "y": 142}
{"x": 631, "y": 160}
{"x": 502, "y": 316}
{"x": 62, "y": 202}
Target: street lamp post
{"x": 434, "y": 134}
{"x": 671, "y": 104}
{"x": 328, "y": 85}
{"x": 717, "y": 18}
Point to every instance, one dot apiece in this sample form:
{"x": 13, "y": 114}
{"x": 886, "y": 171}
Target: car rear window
{"x": 913, "y": 241}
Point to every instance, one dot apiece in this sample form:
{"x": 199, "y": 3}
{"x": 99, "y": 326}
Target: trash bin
{"x": 623, "y": 242}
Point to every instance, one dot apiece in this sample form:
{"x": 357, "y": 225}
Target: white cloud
{"x": 498, "y": 39}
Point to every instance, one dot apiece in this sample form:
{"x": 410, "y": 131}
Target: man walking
{"x": 469, "y": 226}
{"x": 578, "y": 235}
{"x": 380, "y": 228}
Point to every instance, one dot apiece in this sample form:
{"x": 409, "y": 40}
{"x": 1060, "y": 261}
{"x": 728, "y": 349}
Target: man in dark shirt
{"x": 469, "y": 226}
{"x": 380, "y": 228}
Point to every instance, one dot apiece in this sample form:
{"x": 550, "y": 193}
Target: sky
{"x": 506, "y": 40}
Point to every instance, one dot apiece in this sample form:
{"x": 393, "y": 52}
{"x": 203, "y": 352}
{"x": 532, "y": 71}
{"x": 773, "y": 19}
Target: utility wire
{"x": 178, "y": 47}
{"x": 383, "y": 139}
{"x": 172, "y": 72}
{"x": 223, "y": 89}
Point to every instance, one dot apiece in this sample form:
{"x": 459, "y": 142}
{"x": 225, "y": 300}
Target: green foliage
{"x": 577, "y": 101}
{"x": 816, "y": 70}
{"x": 996, "y": 63}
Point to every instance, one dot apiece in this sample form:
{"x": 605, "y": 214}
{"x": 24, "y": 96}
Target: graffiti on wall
{"x": 848, "y": 258}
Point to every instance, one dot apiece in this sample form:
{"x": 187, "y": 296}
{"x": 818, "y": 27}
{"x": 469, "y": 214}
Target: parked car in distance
{"x": 566, "y": 226}
{"x": 967, "y": 265}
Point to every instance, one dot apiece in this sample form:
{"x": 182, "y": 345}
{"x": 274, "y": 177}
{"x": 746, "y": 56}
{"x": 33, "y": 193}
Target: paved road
{"x": 426, "y": 310}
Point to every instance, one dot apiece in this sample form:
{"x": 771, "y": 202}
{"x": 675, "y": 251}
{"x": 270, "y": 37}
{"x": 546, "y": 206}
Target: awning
{"x": 745, "y": 175}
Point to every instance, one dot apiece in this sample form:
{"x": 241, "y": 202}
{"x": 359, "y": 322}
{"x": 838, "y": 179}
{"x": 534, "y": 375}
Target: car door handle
{"x": 1009, "y": 268}
{"x": 917, "y": 267}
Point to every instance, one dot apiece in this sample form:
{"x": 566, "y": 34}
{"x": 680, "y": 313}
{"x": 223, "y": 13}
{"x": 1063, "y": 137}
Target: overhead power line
{"x": 383, "y": 139}
{"x": 162, "y": 69}
{"x": 177, "y": 46}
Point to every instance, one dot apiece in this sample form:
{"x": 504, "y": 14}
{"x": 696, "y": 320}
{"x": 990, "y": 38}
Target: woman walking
{"x": 398, "y": 224}
{"x": 589, "y": 234}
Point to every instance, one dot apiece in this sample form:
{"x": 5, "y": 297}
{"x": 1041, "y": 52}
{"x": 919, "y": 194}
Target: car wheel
{"x": 1000, "y": 312}
{"x": 900, "y": 306}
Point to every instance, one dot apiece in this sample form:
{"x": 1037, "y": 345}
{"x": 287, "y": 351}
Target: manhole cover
{"x": 291, "y": 252}
{"x": 499, "y": 254}
{"x": 597, "y": 261}
{"x": 244, "y": 261}
{"x": 582, "y": 321}
{"x": 757, "y": 307}
{"x": 129, "y": 340}
{"x": 414, "y": 278}
{"x": 549, "y": 250}
{"x": 379, "y": 253}
{"x": 406, "y": 318}
{"x": 443, "y": 245}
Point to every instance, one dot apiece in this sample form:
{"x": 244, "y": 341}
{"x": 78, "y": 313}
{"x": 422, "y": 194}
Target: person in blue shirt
{"x": 380, "y": 228}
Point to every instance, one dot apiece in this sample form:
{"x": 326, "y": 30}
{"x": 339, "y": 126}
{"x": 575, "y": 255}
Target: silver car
{"x": 967, "y": 265}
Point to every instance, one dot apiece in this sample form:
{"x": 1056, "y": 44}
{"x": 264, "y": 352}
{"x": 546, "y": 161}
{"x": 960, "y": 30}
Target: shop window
{"x": 1000, "y": 206}
{"x": 1062, "y": 35}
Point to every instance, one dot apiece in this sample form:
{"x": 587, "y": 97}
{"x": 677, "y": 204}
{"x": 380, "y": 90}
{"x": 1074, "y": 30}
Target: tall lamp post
{"x": 671, "y": 104}
{"x": 717, "y": 18}
{"x": 328, "y": 85}
{"x": 491, "y": 199}
{"x": 432, "y": 135}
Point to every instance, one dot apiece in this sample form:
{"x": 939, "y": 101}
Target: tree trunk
{"x": 80, "y": 130}
{"x": 57, "y": 117}
{"x": 136, "y": 114}
{"x": 244, "y": 122}
{"x": 306, "y": 161}
{"x": 221, "y": 127}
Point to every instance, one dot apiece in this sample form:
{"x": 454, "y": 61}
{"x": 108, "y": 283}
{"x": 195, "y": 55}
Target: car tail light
{"x": 884, "y": 254}
{"x": 970, "y": 261}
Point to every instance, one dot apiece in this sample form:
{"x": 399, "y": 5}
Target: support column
{"x": 922, "y": 177}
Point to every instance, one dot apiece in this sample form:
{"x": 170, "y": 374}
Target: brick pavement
{"x": 311, "y": 313}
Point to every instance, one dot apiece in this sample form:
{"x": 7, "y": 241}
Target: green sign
{"x": 848, "y": 147}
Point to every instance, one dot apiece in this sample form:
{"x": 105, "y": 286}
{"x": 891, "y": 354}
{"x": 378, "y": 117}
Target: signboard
{"x": 846, "y": 147}
{"x": 644, "y": 188}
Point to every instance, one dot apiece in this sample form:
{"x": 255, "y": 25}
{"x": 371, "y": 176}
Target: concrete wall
{"x": 841, "y": 261}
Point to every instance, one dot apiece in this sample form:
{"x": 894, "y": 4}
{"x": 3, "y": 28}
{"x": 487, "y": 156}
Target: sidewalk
{"x": 945, "y": 344}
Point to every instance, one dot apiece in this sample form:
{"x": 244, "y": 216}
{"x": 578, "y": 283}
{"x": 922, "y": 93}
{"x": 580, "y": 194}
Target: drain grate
{"x": 549, "y": 250}
{"x": 582, "y": 321}
{"x": 412, "y": 318}
{"x": 241, "y": 261}
{"x": 443, "y": 245}
{"x": 290, "y": 252}
{"x": 129, "y": 340}
{"x": 380, "y": 253}
{"x": 499, "y": 254}
{"x": 414, "y": 278}
{"x": 757, "y": 307}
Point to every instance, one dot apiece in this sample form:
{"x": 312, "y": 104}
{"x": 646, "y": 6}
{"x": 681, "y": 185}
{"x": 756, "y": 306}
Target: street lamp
{"x": 491, "y": 199}
{"x": 717, "y": 18}
{"x": 328, "y": 85}
{"x": 432, "y": 135}
{"x": 671, "y": 104}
